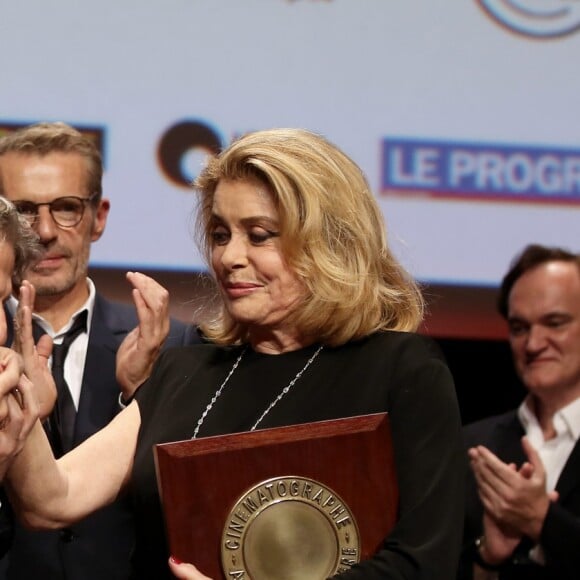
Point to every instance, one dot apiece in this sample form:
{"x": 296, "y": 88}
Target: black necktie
{"x": 63, "y": 417}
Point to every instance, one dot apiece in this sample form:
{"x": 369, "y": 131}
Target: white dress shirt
{"x": 554, "y": 452}
{"x": 74, "y": 364}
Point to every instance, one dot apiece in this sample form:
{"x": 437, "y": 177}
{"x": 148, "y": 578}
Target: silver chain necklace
{"x": 283, "y": 392}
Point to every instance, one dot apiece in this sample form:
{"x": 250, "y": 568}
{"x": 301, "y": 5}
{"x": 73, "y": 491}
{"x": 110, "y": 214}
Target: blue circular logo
{"x": 535, "y": 18}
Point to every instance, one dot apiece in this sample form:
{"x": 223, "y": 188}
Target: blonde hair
{"x": 332, "y": 236}
{"x": 44, "y": 138}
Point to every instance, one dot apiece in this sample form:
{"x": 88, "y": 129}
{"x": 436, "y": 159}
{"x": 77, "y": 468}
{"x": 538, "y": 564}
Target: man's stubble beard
{"x": 47, "y": 289}
{"x": 76, "y": 269}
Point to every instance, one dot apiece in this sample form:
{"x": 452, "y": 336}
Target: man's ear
{"x": 100, "y": 220}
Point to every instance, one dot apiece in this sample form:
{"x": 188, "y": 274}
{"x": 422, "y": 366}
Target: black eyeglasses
{"x": 66, "y": 212}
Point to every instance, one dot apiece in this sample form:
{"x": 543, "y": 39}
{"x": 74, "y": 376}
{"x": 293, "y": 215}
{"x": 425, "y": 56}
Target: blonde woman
{"x": 317, "y": 322}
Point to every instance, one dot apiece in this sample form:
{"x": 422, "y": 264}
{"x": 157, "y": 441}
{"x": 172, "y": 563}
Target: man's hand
{"x": 35, "y": 356}
{"x": 499, "y": 541}
{"x": 516, "y": 500}
{"x": 140, "y": 349}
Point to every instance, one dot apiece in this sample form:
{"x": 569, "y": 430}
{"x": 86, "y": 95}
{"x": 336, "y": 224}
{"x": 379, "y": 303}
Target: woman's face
{"x": 258, "y": 286}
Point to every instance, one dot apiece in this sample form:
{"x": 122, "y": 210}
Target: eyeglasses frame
{"x": 84, "y": 200}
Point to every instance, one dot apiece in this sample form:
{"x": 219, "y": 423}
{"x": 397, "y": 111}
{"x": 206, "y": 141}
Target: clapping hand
{"x": 515, "y": 500}
{"x": 140, "y": 349}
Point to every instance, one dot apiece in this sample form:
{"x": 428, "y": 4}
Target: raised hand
{"x": 140, "y": 349}
{"x": 35, "y": 356}
{"x": 18, "y": 407}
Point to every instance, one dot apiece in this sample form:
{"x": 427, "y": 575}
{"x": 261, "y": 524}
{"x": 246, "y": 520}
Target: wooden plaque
{"x": 215, "y": 489}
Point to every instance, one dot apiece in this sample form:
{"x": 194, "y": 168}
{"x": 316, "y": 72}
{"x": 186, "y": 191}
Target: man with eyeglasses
{"x": 52, "y": 174}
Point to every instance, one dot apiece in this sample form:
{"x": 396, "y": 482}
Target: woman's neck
{"x": 277, "y": 342}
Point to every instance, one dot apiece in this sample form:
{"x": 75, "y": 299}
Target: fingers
{"x": 35, "y": 356}
{"x": 14, "y": 429}
{"x": 28, "y": 403}
{"x": 495, "y": 479}
{"x": 15, "y": 417}
{"x": 527, "y": 470}
{"x": 8, "y": 381}
{"x": 185, "y": 571}
{"x": 10, "y": 427}
{"x": 18, "y": 395}
{"x": 3, "y": 327}
{"x": 138, "y": 351}
{"x": 532, "y": 455}
{"x": 27, "y": 294}
{"x": 19, "y": 419}
{"x": 23, "y": 337}
{"x": 155, "y": 296}
{"x": 516, "y": 498}
{"x": 11, "y": 367}
{"x": 44, "y": 346}
{"x": 490, "y": 469}
{"x": 152, "y": 304}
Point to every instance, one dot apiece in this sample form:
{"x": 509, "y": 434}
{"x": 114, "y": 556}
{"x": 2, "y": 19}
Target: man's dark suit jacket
{"x": 560, "y": 536}
{"x": 98, "y": 547}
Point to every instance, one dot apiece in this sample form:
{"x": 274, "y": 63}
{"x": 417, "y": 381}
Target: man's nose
{"x": 45, "y": 226}
{"x": 537, "y": 338}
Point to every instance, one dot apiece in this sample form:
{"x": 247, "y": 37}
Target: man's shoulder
{"x": 479, "y": 432}
{"x": 115, "y": 315}
{"x": 500, "y": 418}
{"x": 120, "y": 317}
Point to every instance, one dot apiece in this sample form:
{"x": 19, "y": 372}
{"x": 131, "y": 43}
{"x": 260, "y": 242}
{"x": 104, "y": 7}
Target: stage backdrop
{"x": 463, "y": 115}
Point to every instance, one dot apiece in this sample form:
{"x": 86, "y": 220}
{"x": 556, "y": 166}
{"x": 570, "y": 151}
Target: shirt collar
{"x": 565, "y": 419}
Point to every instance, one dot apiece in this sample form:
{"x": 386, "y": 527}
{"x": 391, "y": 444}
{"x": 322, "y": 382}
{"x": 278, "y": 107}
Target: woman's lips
{"x": 240, "y": 289}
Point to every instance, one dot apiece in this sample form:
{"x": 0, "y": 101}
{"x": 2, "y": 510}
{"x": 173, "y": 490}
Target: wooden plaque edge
{"x": 197, "y": 486}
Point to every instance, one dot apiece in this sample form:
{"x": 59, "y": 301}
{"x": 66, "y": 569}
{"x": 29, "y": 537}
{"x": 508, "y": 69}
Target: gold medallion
{"x": 289, "y": 528}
